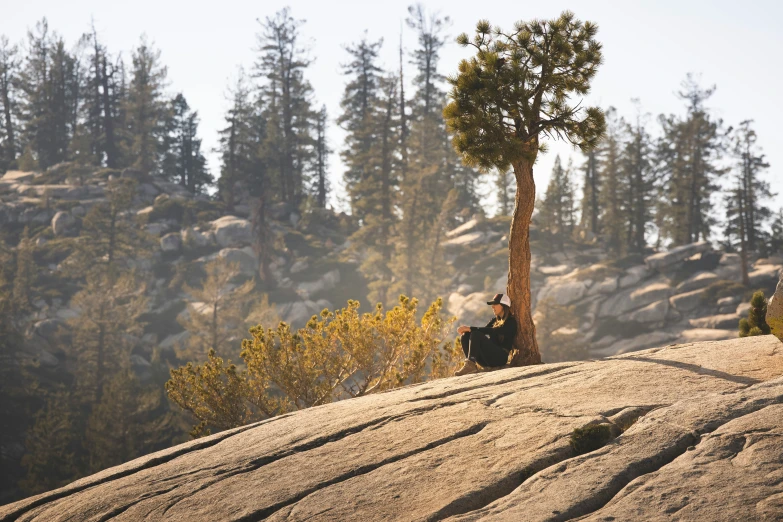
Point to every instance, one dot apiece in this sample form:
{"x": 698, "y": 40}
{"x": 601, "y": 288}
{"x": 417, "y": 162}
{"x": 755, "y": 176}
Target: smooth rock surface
{"x": 704, "y": 441}
{"x": 675, "y": 255}
{"x": 707, "y": 334}
{"x": 171, "y": 242}
{"x": 688, "y": 301}
{"x": 563, "y": 292}
{"x": 463, "y": 228}
{"x": 696, "y": 281}
{"x": 652, "y": 313}
{"x": 61, "y": 222}
{"x": 764, "y": 274}
{"x": 232, "y": 231}
{"x": 775, "y": 311}
{"x": 722, "y": 321}
{"x": 471, "y": 238}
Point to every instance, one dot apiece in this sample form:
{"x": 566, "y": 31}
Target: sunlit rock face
{"x": 775, "y": 311}
{"x": 693, "y": 429}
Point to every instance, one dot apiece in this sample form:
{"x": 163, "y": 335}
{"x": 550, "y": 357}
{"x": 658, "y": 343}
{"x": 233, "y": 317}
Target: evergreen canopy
{"x": 518, "y": 85}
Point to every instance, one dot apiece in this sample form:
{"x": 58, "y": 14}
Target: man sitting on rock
{"x": 489, "y": 345}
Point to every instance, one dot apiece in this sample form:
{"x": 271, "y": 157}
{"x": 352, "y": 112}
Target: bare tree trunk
{"x": 519, "y": 265}
{"x": 743, "y": 235}
{"x": 261, "y": 238}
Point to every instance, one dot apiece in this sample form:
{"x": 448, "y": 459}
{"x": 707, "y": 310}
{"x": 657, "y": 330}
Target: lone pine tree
{"x": 756, "y": 323}
{"x": 515, "y": 89}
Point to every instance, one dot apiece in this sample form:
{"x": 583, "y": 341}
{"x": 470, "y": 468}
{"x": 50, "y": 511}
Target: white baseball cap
{"x": 500, "y": 299}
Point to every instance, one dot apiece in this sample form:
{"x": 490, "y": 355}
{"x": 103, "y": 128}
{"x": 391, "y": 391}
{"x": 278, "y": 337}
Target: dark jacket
{"x": 503, "y": 335}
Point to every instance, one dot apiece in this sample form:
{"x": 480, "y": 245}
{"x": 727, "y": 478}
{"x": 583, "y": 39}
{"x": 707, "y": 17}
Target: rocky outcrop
{"x": 232, "y": 231}
{"x": 676, "y": 255}
{"x": 490, "y": 446}
{"x": 775, "y": 311}
{"x": 61, "y": 222}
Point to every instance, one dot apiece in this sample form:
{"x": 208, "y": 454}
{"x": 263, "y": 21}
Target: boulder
{"x": 729, "y": 259}
{"x": 18, "y": 176}
{"x": 232, "y": 231}
{"x": 145, "y": 212}
{"x": 61, "y": 222}
{"x": 717, "y": 322}
{"x": 465, "y": 289}
{"x": 652, "y": 313}
{"x": 280, "y": 211}
{"x": 693, "y": 432}
{"x": 471, "y": 309}
{"x": 731, "y": 300}
{"x": 634, "y": 344}
{"x": 696, "y": 281}
{"x": 605, "y": 287}
{"x": 297, "y": 313}
{"x": 471, "y": 238}
{"x": 243, "y": 257}
{"x": 706, "y": 334}
{"x": 764, "y": 275}
{"x": 172, "y": 342}
{"x": 78, "y": 211}
{"x": 676, "y": 255}
{"x": 49, "y": 329}
{"x": 463, "y": 228}
{"x": 633, "y": 276}
{"x": 563, "y": 292}
{"x": 300, "y": 265}
{"x": 36, "y": 215}
{"x": 68, "y": 192}
{"x": 171, "y": 242}
{"x": 554, "y": 270}
{"x": 193, "y": 236}
{"x": 632, "y": 299}
{"x": 650, "y": 293}
{"x": 156, "y": 229}
{"x": 141, "y": 367}
{"x": 775, "y": 311}
{"x": 148, "y": 190}
{"x": 454, "y": 304}
{"x": 771, "y": 260}
{"x": 326, "y": 282}
{"x": 689, "y": 300}
{"x": 743, "y": 309}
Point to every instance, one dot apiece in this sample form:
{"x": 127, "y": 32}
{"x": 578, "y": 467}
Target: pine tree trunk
{"x": 261, "y": 238}
{"x": 593, "y": 193}
{"x": 743, "y": 242}
{"x": 110, "y": 146}
{"x": 519, "y": 266}
{"x": 5, "y": 97}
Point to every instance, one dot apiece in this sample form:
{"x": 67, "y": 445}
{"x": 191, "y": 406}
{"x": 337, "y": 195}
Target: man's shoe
{"x": 468, "y": 367}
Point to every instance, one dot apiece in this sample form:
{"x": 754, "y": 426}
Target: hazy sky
{"x": 648, "y": 49}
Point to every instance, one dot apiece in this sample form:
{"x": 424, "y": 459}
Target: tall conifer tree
{"x": 146, "y": 109}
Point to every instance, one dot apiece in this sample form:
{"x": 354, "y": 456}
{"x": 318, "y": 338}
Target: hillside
{"x": 692, "y": 429}
{"x": 596, "y": 306}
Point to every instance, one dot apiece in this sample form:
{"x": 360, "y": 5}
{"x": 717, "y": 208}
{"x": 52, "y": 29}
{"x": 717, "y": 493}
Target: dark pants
{"x": 480, "y": 348}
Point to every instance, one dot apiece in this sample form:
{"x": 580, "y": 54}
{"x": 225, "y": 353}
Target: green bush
{"x": 756, "y": 323}
{"x": 590, "y": 438}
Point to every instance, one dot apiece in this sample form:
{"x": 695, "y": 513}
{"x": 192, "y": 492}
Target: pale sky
{"x": 648, "y": 49}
